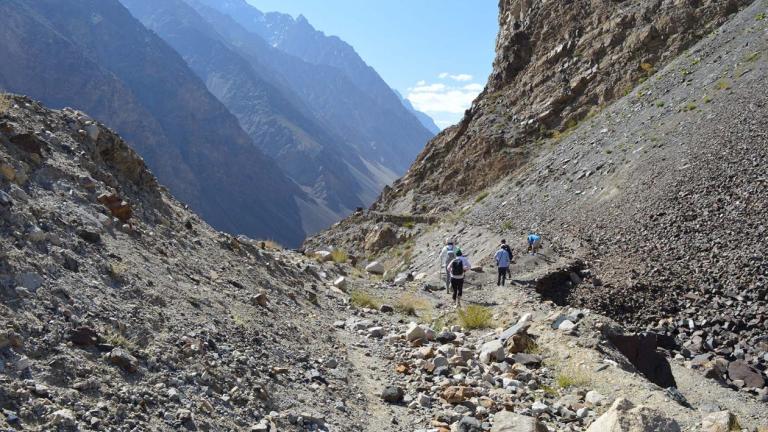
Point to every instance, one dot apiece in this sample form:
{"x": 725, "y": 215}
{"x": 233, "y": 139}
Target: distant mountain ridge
{"x": 340, "y": 141}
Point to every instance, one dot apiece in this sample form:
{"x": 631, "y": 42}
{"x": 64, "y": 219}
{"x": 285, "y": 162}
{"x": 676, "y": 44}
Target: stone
{"x": 457, "y": 394}
{"x": 392, "y": 394}
{"x": 424, "y": 400}
{"x": 641, "y": 351}
{"x": 341, "y": 283}
{"x": 375, "y": 268}
{"x": 492, "y": 351}
{"x": 84, "y": 336}
{"x": 89, "y": 235}
{"x": 124, "y": 360}
{"x": 445, "y": 337}
{"x": 469, "y": 424}
{"x": 117, "y": 207}
{"x": 63, "y": 418}
{"x": 260, "y": 299}
{"x": 376, "y": 332}
{"x": 414, "y": 332}
{"x": 721, "y": 421}
{"x": 594, "y": 398}
{"x": 623, "y": 416}
{"x": 324, "y": 256}
{"x": 402, "y": 278}
{"x": 519, "y": 328}
{"x": 539, "y": 408}
{"x": 36, "y": 235}
{"x": 527, "y": 360}
{"x": 92, "y": 130}
{"x": 385, "y": 308}
{"x": 740, "y": 370}
{"x": 29, "y": 280}
{"x": 5, "y": 200}
{"x": 566, "y": 326}
{"x": 507, "y": 421}
{"x": 381, "y": 237}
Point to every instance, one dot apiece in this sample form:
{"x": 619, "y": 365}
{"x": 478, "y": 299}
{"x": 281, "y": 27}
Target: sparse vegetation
{"x": 723, "y": 85}
{"x": 647, "y": 68}
{"x": 506, "y": 226}
{"x": 572, "y": 377}
{"x": 409, "y": 224}
{"x": 5, "y": 103}
{"x": 118, "y": 340}
{"x": 706, "y": 99}
{"x": 660, "y": 103}
{"x": 690, "y": 106}
{"x": 482, "y": 196}
{"x": 270, "y": 245}
{"x": 339, "y": 256}
{"x": 117, "y": 271}
{"x": 410, "y": 304}
{"x": 761, "y": 16}
{"x": 475, "y": 317}
{"x": 752, "y": 57}
{"x": 362, "y": 299}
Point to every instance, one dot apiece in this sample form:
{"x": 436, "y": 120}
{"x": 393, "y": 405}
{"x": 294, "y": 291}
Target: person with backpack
{"x": 534, "y": 243}
{"x": 502, "y": 258}
{"x": 506, "y": 247}
{"x": 447, "y": 254}
{"x": 456, "y": 269}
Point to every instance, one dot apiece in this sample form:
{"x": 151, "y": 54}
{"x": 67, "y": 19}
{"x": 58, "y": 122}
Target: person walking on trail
{"x": 456, "y": 269}
{"x": 534, "y": 243}
{"x": 502, "y": 258}
{"x": 447, "y": 255}
{"x": 506, "y": 247}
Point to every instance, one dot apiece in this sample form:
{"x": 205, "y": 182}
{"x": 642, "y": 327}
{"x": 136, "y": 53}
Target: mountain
{"x": 355, "y": 102}
{"x": 94, "y": 55}
{"x": 321, "y": 128}
{"x": 425, "y": 119}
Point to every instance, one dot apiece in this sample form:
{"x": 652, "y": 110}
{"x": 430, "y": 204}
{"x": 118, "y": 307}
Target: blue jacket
{"x": 502, "y": 258}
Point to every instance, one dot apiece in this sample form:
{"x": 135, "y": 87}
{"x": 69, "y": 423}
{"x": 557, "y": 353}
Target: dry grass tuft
{"x": 339, "y": 256}
{"x": 409, "y": 304}
{"x": 5, "y": 103}
{"x": 362, "y": 299}
{"x": 475, "y": 317}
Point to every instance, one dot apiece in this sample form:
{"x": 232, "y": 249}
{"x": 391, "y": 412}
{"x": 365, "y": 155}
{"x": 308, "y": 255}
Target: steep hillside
{"x": 555, "y": 66}
{"x": 654, "y": 206}
{"x": 95, "y": 56}
{"x": 121, "y": 309}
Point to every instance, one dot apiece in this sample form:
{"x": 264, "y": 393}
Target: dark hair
{"x": 503, "y": 241}
{"x": 458, "y": 253}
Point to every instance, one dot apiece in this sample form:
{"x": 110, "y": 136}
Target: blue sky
{"x": 437, "y": 53}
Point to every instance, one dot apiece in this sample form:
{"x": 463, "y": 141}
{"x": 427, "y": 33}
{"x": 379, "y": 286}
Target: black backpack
{"x": 457, "y": 267}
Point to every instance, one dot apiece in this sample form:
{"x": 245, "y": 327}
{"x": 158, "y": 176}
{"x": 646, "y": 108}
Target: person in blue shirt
{"x": 534, "y": 243}
{"x": 503, "y": 259}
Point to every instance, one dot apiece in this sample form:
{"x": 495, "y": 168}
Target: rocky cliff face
{"x": 556, "y": 65}
{"x": 94, "y": 55}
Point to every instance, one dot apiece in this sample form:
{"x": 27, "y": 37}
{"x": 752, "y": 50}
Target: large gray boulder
{"x": 507, "y": 421}
{"x": 623, "y": 416}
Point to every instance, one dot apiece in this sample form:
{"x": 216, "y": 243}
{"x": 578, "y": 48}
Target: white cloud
{"x": 474, "y": 87}
{"x": 461, "y": 77}
{"x": 443, "y": 102}
{"x": 443, "y": 75}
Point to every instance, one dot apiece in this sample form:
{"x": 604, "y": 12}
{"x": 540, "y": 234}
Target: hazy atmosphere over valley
{"x": 431, "y": 216}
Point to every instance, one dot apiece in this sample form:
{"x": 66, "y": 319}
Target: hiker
{"x": 456, "y": 269}
{"x": 534, "y": 243}
{"x": 446, "y": 256}
{"x": 502, "y": 258}
{"x": 506, "y": 247}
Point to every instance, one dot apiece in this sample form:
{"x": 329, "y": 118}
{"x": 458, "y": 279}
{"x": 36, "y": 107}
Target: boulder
{"x": 721, "y": 421}
{"x": 382, "y": 237}
{"x": 469, "y": 424}
{"x": 740, "y": 370}
{"x": 341, "y": 283}
{"x": 119, "y": 208}
{"x": 623, "y": 416}
{"x": 324, "y": 256}
{"x": 507, "y": 421}
{"x": 385, "y": 308}
{"x": 84, "y": 336}
{"x": 375, "y": 268}
{"x": 414, "y": 332}
{"x": 527, "y": 360}
{"x": 121, "y": 358}
{"x": 492, "y": 351}
{"x": 457, "y": 394}
{"x": 29, "y": 280}
{"x": 392, "y": 394}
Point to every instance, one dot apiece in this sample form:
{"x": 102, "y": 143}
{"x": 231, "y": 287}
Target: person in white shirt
{"x": 456, "y": 269}
{"x": 446, "y": 256}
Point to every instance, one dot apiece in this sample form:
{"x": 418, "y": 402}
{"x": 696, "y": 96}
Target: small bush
{"x": 707, "y": 99}
{"x": 506, "y": 226}
{"x": 339, "y": 256}
{"x": 118, "y": 340}
{"x": 409, "y": 224}
{"x": 647, "y": 68}
{"x": 475, "y": 317}
{"x": 723, "y": 85}
{"x": 761, "y": 16}
{"x": 660, "y": 103}
{"x": 752, "y": 57}
{"x": 409, "y": 304}
{"x": 5, "y": 103}
{"x": 481, "y": 197}
{"x": 572, "y": 377}
{"x": 689, "y": 107}
{"x": 362, "y": 299}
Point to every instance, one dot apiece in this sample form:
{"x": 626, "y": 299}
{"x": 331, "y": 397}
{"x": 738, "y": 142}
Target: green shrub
{"x": 761, "y": 16}
{"x": 723, "y": 85}
{"x": 572, "y": 377}
{"x": 481, "y": 197}
{"x": 475, "y": 317}
{"x": 752, "y": 57}
{"x": 660, "y": 103}
{"x": 339, "y": 256}
{"x": 362, "y": 299}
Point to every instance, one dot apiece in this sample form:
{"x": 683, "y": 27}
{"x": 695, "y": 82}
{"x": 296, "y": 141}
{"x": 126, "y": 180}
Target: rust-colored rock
{"x": 119, "y": 208}
{"x": 457, "y": 394}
